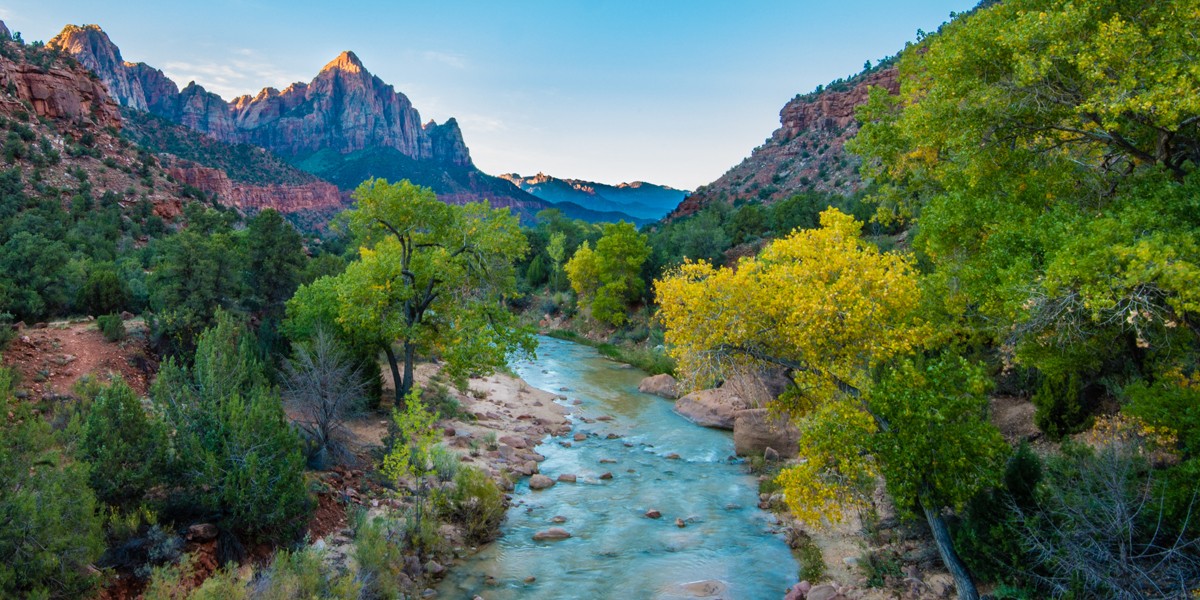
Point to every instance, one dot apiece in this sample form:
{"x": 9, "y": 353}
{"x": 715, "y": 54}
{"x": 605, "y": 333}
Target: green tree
{"x": 609, "y": 278}
{"x": 240, "y": 457}
{"x": 556, "y": 248}
{"x": 104, "y": 292}
{"x": 1047, "y": 150}
{"x": 124, "y": 447}
{"x": 430, "y": 276}
{"x": 274, "y": 259}
{"x": 49, "y": 528}
{"x": 196, "y": 274}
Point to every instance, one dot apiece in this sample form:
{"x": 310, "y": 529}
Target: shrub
{"x": 380, "y": 556}
{"x": 241, "y": 458}
{"x": 1059, "y": 405}
{"x": 49, "y": 528}
{"x": 125, "y": 449}
{"x": 112, "y": 327}
{"x": 476, "y": 503}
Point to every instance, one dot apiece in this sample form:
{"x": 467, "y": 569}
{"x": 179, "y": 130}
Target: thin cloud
{"x": 448, "y": 59}
{"x": 246, "y": 72}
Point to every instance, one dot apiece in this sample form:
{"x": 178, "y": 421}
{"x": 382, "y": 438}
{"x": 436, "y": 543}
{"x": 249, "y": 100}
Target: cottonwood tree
{"x": 832, "y": 309}
{"x": 609, "y": 277}
{"x": 430, "y": 277}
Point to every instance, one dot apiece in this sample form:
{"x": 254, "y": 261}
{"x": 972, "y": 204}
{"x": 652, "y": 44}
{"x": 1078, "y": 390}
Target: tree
{"x": 196, "y": 274}
{"x": 833, "y": 310}
{"x": 430, "y": 276}
{"x": 609, "y": 278}
{"x": 411, "y": 455}
{"x": 323, "y": 387}
{"x": 240, "y": 458}
{"x": 50, "y": 531}
{"x": 125, "y": 448}
{"x": 1048, "y": 149}
{"x": 556, "y": 248}
{"x": 274, "y": 258}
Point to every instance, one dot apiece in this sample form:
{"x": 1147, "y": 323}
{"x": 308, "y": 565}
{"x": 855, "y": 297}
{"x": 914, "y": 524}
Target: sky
{"x": 671, "y": 92}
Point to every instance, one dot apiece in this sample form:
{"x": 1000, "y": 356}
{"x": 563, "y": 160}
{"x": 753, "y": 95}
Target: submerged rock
{"x": 554, "y": 533}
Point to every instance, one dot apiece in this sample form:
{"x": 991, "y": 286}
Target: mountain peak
{"x": 346, "y": 61}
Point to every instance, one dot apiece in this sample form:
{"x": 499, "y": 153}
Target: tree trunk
{"x": 945, "y": 547}
{"x": 410, "y": 354}
{"x": 396, "y": 381}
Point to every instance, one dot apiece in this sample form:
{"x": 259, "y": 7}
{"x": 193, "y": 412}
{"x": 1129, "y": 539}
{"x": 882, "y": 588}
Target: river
{"x": 615, "y": 550}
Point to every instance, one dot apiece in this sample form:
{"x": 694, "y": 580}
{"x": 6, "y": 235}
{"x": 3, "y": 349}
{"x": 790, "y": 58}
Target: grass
{"x": 649, "y": 360}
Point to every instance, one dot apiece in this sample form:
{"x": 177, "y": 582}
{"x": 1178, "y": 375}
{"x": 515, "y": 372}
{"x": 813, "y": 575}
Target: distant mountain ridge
{"x": 344, "y": 126}
{"x": 638, "y": 199}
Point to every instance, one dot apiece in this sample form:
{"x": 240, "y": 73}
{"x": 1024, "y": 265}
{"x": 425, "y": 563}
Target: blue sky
{"x": 671, "y": 92}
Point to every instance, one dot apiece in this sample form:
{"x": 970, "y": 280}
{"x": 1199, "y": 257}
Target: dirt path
{"x": 50, "y": 360}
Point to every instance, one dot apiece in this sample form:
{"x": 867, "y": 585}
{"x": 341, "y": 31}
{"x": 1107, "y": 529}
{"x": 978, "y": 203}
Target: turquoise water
{"x": 616, "y": 551}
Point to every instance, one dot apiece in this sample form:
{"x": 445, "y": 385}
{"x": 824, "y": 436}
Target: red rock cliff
{"x": 59, "y": 92}
{"x": 310, "y": 197}
{"x": 805, "y": 153}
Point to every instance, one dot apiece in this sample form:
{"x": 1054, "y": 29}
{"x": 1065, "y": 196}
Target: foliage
{"x": 609, "y": 278}
{"x": 323, "y": 387}
{"x": 476, "y": 503}
{"x": 196, "y": 274}
{"x": 49, "y": 528}
{"x": 379, "y": 552}
{"x": 429, "y": 275}
{"x": 411, "y": 458}
{"x": 274, "y": 258}
{"x": 1052, "y": 180}
{"x": 781, "y": 307}
{"x": 1098, "y": 529}
{"x": 240, "y": 457}
{"x": 112, "y": 326}
{"x": 103, "y": 293}
{"x": 125, "y": 448}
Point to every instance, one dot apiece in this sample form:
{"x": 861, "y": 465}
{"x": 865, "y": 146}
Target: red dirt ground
{"x": 50, "y": 360}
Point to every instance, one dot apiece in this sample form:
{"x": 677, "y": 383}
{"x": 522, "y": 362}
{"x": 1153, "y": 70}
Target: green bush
{"x": 112, "y": 327}
{"x": 1176, "y": 407}
{"x": 379, "y": 553}
{"x": 49, "y": 528}
{"x": 241, "y": 457}
{"x": 104, "y": 292}
{"x": 475, "y": 503}
{"x": 1060, "y": 410}
{"x": 125, "y": 449}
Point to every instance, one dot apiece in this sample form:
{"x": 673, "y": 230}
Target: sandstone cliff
{"x": 805, "y": 153}
{"x": 345, "y": 108}
{"x": 314, "y": 197}
{"x": 57, "y": 91}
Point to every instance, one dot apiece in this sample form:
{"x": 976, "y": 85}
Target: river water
{"x": 616, "y": 551}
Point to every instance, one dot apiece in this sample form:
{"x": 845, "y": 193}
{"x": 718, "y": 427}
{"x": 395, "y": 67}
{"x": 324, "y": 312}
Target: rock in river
{"x": 554, "y": 533}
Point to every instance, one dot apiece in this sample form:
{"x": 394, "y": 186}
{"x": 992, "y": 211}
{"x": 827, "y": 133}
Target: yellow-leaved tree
{"x": 843, "y": 319}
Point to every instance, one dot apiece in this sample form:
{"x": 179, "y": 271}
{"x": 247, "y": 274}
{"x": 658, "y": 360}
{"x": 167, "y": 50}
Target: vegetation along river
{"x": 616, "y": 551}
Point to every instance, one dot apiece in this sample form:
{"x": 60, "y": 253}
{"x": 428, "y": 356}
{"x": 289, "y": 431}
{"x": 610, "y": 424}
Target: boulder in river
{"x": 711, "y": 408}
{"x": 756, "y": 429}
{"x": 540, "y": 482}
{"x": 554, "y": 533}
{"x": 663, "y": 386}
{"x": 567, "y": 478}
{"x": 653, "y": 514}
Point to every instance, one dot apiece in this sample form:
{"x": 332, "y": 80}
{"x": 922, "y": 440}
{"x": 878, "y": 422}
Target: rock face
{"x": 711, "y": 408}
{"x": 663, "y": 386}
{"x": 58, "y": 92}
{"x": 806, "y": 153}
{"x": 755, "y": 430}
{"x": 344, "y": 109}
{"x": 136, "y": 85}
{"x": 318, "y": 196}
